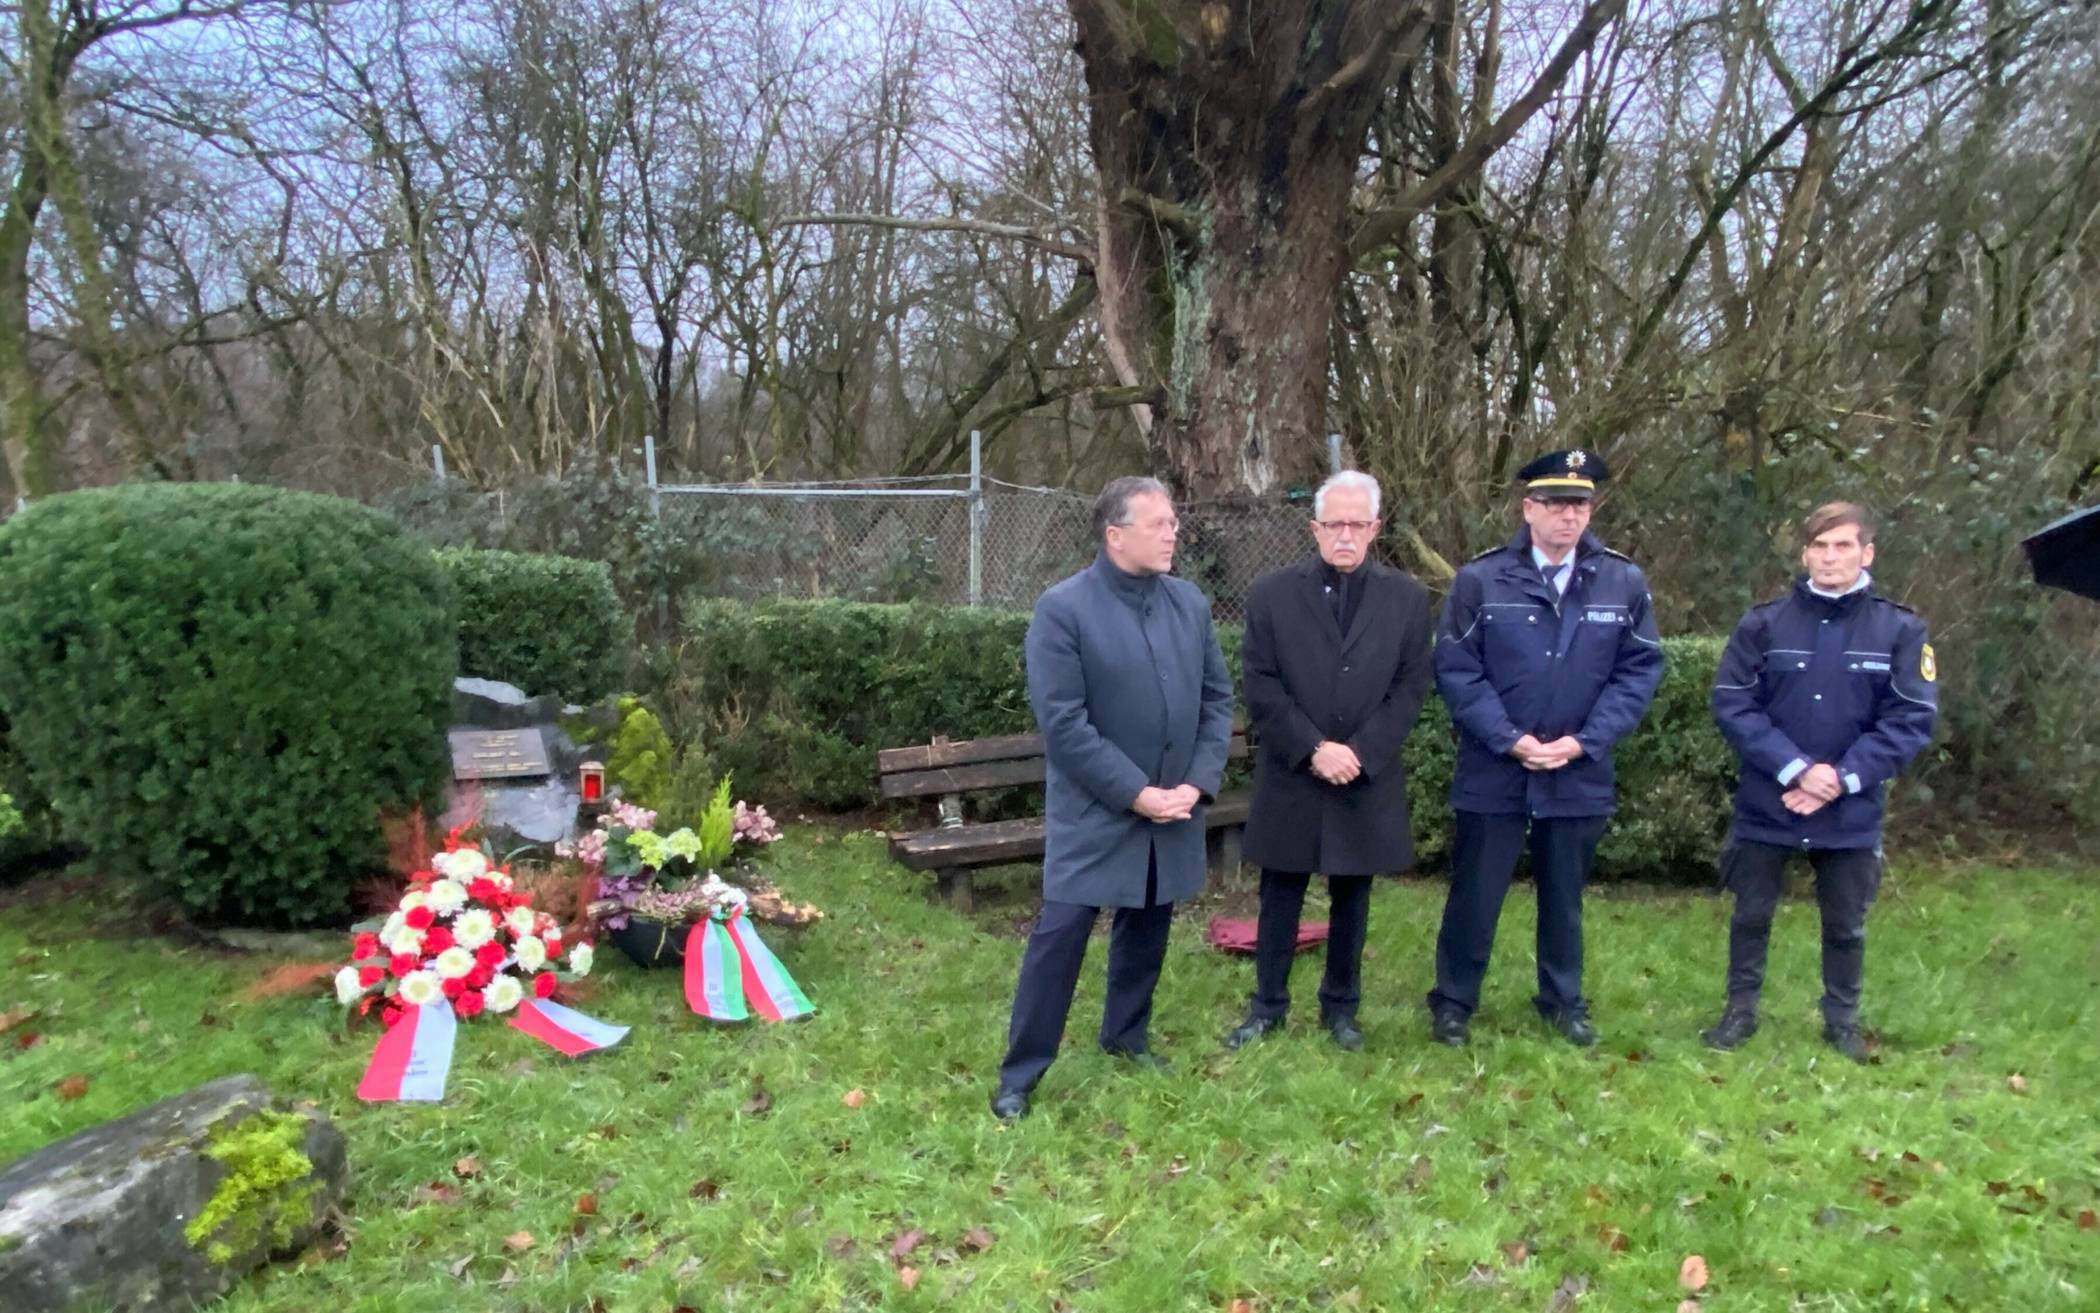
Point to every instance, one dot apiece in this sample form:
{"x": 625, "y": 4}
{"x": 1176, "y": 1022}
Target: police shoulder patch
{"x": 1928, "y": 667}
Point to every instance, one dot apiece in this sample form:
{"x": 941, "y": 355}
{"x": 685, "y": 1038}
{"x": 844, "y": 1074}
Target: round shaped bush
{"x": 220, "y": 688}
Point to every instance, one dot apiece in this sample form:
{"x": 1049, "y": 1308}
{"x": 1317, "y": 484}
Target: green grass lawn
{"x": 1291, "y": 1175}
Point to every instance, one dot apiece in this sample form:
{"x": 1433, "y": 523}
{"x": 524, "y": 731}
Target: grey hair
{"x": 1348, "y": 481}
{"x": 1112, "y": 507}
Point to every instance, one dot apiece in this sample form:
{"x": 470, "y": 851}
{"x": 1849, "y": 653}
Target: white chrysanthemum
{"x": 503, "y": 994}
{"x": 521, "y": 920}
{"x": 465, "y": 866}
{"x": 532, "y": 954}
{"x": 453, "y": 963}
{"x": 550, "y": 932}
{"x": 414, "y": 899}
{"x": 474, "y": 928}
{"x": 419, "y": 988}
{"x": 580, "y": 959}
{"x": 393, "y": 926}
{"x": 407, "y": 940}
{"x": 501, "y": 879}
{"x": 447, "y": 897}
{"x": 347, "y": 988}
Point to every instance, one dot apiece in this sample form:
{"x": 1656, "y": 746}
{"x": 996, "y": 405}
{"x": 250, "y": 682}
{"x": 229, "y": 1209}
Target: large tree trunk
{"x": 1227, "y": 134}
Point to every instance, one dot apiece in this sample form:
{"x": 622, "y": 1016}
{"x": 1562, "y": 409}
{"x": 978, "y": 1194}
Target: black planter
{"x": 653, "y": 943}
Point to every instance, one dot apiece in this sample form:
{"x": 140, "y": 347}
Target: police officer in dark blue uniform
{"x": 1826, "y": 694}
{"x": 1546, "y": 657}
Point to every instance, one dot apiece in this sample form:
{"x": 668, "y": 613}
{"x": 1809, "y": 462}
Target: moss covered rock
{"x": 170, "y": 1206}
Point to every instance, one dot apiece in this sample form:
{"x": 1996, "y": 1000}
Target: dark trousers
{"x": 1137, "y": 946}
{"x": 1276, "y": 944}
{"x": 1846, "y": 882}
{"x": 1483, "y": 858}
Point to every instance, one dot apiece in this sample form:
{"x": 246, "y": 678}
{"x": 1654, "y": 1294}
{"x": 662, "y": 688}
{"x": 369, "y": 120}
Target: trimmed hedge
{"x": 795, "y": 697}
{"x": 221, "y": 687}
{"x": 548, "y": 624}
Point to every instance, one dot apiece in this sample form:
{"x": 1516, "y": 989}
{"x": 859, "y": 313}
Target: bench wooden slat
{"x": 995, "y": 843}
{"x": 931, "y": 756}
{"x": 990, "y": 775}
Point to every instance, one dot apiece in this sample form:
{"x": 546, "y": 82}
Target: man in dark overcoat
{"x": 1134, "y": 704}
{"x": 1546, "y": 656}
{"x": 1336, "y": 662}
{"x": 1826, "y": 694}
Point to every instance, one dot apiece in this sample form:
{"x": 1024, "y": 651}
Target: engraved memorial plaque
{"x": 498, "y": 754}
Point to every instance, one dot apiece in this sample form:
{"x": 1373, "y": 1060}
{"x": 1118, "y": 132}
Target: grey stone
{"x": 101, "y": 1219}
{"x": 541, "y": 812}
{"x": 492, "y": 704}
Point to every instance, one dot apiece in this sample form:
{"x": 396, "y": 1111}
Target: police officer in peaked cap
{"x": 1546, "y": 656}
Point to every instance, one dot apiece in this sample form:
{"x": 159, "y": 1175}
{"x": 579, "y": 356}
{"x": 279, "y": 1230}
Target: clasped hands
{"x": 1546, "y": 756}
{"x": 1813, "y": 788}
{"x": 1163, "y": 805}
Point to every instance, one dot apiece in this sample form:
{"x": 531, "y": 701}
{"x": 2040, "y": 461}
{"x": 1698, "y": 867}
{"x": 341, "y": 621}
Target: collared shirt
{"x": 1557, "y": 575}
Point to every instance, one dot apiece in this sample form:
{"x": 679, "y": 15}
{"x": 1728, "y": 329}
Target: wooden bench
{"x": 946, "y": 773}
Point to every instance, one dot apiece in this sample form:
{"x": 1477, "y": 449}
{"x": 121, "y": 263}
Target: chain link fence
{"x": 951, "y": 539}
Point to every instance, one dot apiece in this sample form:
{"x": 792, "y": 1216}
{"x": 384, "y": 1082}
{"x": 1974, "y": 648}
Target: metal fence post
{"x": 656, "y": 499}
{"x": 1334, "y": 453}
{"x": 437, "y": 460}
{"x": 976, "y": 507}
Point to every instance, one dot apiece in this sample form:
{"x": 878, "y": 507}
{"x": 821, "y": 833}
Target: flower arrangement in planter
{"x": 462, "y": 941}
{"x": 687, "y": 898}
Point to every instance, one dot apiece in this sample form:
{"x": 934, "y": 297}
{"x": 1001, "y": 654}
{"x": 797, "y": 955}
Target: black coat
{"x": 1307, "y": 682}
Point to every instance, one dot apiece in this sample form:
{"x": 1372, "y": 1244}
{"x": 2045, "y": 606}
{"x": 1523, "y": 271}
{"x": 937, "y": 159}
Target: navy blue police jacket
{"x": 1512, "y": 658}
{"x": 1846, "y": 681}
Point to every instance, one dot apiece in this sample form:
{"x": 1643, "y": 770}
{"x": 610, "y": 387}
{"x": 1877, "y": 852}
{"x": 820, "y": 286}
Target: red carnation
{"x": 403, "y": 963}
{"x": 482, "y": 889}
{"x": 419, "y": 918}
{"x": 454, "y": 987}
{"x": 543, "y": 985}
{"x": 480, "y": 976}
{"x": 490, "y": 954}
{"x": 437, "y": 941}
{"x": 364, "y": 946}
{"x": 469, "y": 1003}
{"x": 370, "y": 976}
{"x": 390, "y": 1014}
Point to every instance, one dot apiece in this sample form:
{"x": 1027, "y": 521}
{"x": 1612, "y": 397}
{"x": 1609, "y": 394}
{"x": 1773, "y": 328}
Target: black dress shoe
{"x": 1010, "y": 1105}
{"x": 1448, "y": 1027}
{"x": 1347, "y": 1036}
{"x": 1253, "y": 1028}
{"x": 1574, "y": 1027}
{"x": 1846, "y": 1039}
{"x": 1735, "y": 1026}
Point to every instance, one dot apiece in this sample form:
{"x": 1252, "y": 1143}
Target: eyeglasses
{"x": 1358, "y": 527}
{"x": 1557, "y": 504}
{"x": 1168, "y": 525}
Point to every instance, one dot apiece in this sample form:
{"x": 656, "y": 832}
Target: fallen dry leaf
{"x": 1691, "y": 1273}
{"x": 854, "y": 1098}
{"x": 2016, "y": 1083}
{"x": 1687, "y": 1306}
{"x": 1516, "y": 1251}
{"x": 901, "y": 1248}
{"x": 518, "y": 1242}
{"x": 1612, "y": 1238}
{"x": 761, "y": 1101}
{"x": 1240, "y": 1306}
{"x": 978, "y": 1239}
{"x": 14, "y": 1017}
{"x": 438, "y": 1192}
{"x": 290, "y": 978}
{"x": 908, "y": 1277}
{"x": 467, "y": 1167}
{"x": 2088, "y": 1220}
{"x": 27, "y": 1040}
{"x": 1567, "y": 1292}
{"x": 587, "y": 1204}
{"x": 459, "y": 1269}
{"x": 72, "y": 1087}
{"x": 703, "y": 1190}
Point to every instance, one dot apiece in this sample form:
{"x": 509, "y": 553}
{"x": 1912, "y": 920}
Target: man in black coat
{"x": 1336, "y": 660}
